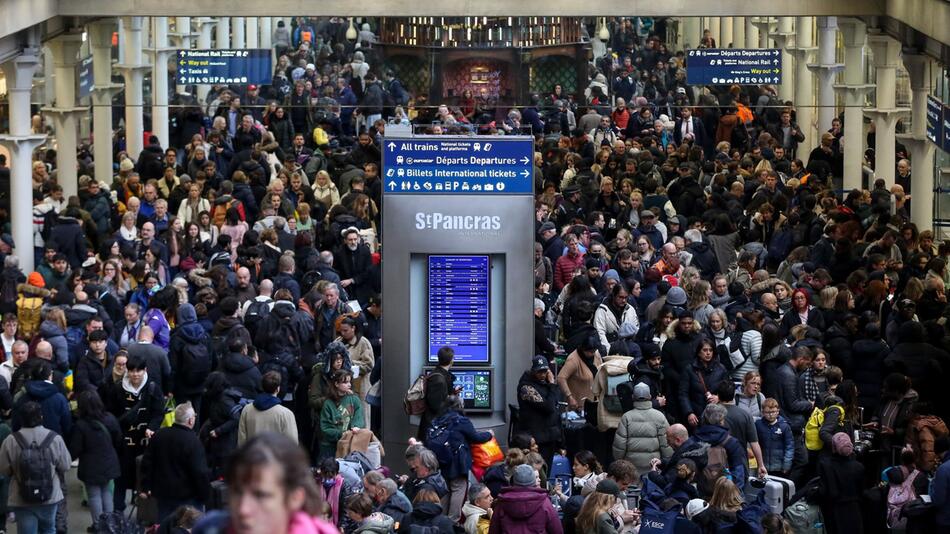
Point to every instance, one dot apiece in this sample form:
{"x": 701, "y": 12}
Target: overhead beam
{"x": 477, "y": 8}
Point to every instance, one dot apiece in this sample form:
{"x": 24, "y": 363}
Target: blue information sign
{"x": 945, "y": 145}
{"x": 85, "y": 77}
{"x": 459, "y": 165}
{"x": 733, "y": 66}
{"x": 208, "y": 67}
{"x": 934, "y": 120}
{"x": 458, "y": 307}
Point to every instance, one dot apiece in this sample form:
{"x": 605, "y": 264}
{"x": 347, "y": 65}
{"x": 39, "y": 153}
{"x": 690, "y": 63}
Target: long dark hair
{"x": 89, "y": 406}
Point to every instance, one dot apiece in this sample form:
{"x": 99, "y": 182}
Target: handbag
{"x": 484, "y": 455}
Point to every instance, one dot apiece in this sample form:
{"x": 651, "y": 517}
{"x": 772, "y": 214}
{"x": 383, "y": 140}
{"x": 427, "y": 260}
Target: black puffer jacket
{"x": 537, "y": 403}
{"x": 242, "y": 373}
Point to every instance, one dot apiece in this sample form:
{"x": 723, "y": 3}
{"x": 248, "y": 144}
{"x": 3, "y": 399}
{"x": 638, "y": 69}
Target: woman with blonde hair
{"x": 594, "y": 516}
{"x": 783, "y": 294}
{"x": 725, "y": 503}
{"x": 826, "y": 298}
{"x": 325, "y": 190}
{"x": 636, "y": 204}
{"x": 699, "y": 302}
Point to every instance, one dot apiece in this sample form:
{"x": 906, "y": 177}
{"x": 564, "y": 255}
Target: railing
{"x": 480, "y": 32}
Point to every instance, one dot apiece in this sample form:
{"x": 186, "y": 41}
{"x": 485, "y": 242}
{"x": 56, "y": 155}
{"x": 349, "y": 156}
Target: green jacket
{"x": 336, "y": 417}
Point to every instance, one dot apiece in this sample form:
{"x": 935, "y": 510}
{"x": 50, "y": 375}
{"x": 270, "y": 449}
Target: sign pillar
{"x": 100, "y": 42}
{"x": 743, "y": 66}
{"x": 452, "y": 203}
{"x": 920, "y": 71}
{"x": 133, "y": 68}
{"x": 854, "y": 34}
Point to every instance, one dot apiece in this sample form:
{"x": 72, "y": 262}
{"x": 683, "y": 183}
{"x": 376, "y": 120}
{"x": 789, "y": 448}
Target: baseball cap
{"x": 646, "y": 213}
{"x": 695, "y": 507}
{"x": 539, "y": 363}
{"x": 252, "y": 87}
{"x": 641, "y": 392}
{"x": 546, "y": 226}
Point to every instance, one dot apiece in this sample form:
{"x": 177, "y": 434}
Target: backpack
{"x": 439, "y": 441}
{"x": 654, "y": 520}
{"x": 49, "y": 222}
{"x": 611, "y": 400}
{"x": 256, "y": 311}
{"x": 195, "y": 364}
{"x": 804, "y": 518}
{"x": 780, "y": 246}
{"x": 415, "y": 400}
{"x": 897, "y": 496}
{"x": 118, "y": 523}
{"x": 239, "y": 407}
{"x": 717, "y": 465}
{"x": 75, "y": 335}
{"x": 813, "y": 426}
{"x": 28, "y": 312}
{"x": 35, "y": 468}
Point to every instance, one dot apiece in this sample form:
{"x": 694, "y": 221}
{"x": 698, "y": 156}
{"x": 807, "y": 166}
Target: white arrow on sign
{"x": 392, "y": 185}
{"x": 525, "y": 174}
{"x": 525, "y": 160}
{"x": 392, "y": 145}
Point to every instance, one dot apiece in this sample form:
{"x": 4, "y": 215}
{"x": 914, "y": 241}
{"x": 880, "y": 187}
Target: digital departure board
{"x": 475, "y": 387}
{"x": 459, "y": 307}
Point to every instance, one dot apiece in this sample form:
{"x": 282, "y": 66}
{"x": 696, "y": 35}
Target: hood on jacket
{"x": 376, "y": 523}
{"x": 32, "y": 291}
{"x": 236, "y": 363}
{"x": 265, "y": 401}
{"x": 41, "y": 389}
{"x": 712, "y": 434}
{"x": 224, "y": 325}
{"x": 50, "y": 329}
{"x": 283, "y": 310}
{"x": 426, "y": 510}
{"x": 469, "y": 510}
{"x": 333, "y": 349}
{"x": 78, "y": 314}
{"x": 522, "y": 503}
{"x": 188, "y": 324}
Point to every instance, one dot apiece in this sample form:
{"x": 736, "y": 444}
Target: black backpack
{"x": 195, "y": 363}
{"x": 35, "y": 468}
{"x": 8, "y": 294}
{"x": 256, "y": 311}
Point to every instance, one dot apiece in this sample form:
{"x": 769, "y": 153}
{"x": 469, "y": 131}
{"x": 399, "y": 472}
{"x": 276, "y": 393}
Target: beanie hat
{"x": 36, "y": 280}
{"x": 641, "y": 392}
{"x": 841, "y": 444}
{"x": 676, "y": 296}
{"x": 695, "y": 507}
{"x": 608, "y": 487}
{"x": 126, "y": 165}
{"x": 523, "y": 475}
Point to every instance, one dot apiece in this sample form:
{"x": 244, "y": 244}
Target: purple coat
{"x": 521, "y": 510}
{"x": 155, "y": 320}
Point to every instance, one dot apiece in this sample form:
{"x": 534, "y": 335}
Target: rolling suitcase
{"x": 778, "y": 491}
{"x": 219, "y": 495}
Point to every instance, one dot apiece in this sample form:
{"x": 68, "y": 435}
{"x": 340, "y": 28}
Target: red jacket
{"x": 564, "y": 269}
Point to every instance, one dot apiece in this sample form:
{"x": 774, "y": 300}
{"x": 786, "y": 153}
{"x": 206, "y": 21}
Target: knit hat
{"x": 126, "y": 165}
{"x": 36, "y": 280}
{"x": 841, "y": 444}
{"x": 612, "y": 274}
{"x": 641, "y": 392}
{"x": 676, "y": 296}
{"x": 523, "y": 475}
{"x": 608, "y": 487}
{"x": 546, "y": 226}
{"x": 591, "y": 263}
{"x": 695, "y": 507}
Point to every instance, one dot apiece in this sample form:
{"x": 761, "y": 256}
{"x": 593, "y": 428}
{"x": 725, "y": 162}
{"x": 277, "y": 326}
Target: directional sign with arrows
{"x": 231, "y": 67}
{"x": 733, "y": 66}
{"x": 459, "y": 165}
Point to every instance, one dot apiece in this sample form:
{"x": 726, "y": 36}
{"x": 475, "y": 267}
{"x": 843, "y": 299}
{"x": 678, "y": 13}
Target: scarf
{"x": 128, "y": 234}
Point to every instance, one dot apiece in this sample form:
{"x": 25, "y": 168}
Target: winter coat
{"x": 376, "y": 523}
{"x": 187, "y": 332}
{"x": 9, "y": 464}
{"x": 678, "y": 355}
{"x": 242, "y": 374}
{"x": 476, "y": 519}
{"x": 523, "y": 510}
{"x": 462, "y": 434}
{"x": 336, "y": 417}
{"x": 840, "y": 487}
{"x": 217, "y": 415}
{"x": 90, "y": 373}
{"x": 56, "y": 337}
{"x": 921, "y": 434}
{"x": 70, "y": 239}
{"x": 564, "y": 269}
{"x": 95, "y": 444}
{"x": 724, "y": 247}
{"x": 704, "y": 259}
{"x": 613, "y": 366}
{"x": 608, "y": 328}
{"x": 696, "y": 383}
{"x": 575, "y": 377}
{"x": 866, "y": 369}
{"x": 641, "y": 436}
{"x": 266, "y": 414}
{"x": 433, "y": 481}
{"x": 777, "y": 443}
{"x": 538, "y": 411}
{"x": 782, "y": 385}
{"x": 426, "y": 514}
{"x": 697, "y": 446}
{"x": 55, "y": 407}
{"x": 100, "y": 209}
{"x": 168, "y": 473}
{"x": 396, "y": 506}
{"x": 791, "y": 319}
{"x": 921, "y": 362}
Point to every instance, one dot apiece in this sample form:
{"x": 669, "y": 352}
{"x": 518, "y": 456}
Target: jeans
{"x": 100, "y": 501}
{"x": 36, "y": 519}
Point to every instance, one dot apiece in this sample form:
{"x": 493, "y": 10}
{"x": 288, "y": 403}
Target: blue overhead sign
{"x": 733, "y": 66}
{"x": 459, "y": 165}
{"x": 945, "y": 144}
{"x": 210, "y": 67}
{"x": 85, "y": 77}
{"x": 934, "y": 120}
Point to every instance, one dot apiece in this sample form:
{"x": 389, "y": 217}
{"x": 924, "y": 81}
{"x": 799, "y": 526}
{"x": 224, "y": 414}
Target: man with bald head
{"x": 42, "y": 352}
{"x": 670, "y": 263}
{"x": 245, "y": 289}
{"x": 255, "y": 309}
{"x": 768, "y": 303}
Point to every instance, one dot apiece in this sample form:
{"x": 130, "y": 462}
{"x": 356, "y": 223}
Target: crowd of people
{"x": 203, "y": 334}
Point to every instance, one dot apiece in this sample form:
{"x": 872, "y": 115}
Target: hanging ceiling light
{"x": 351, "y": 33}
{"x": 604, "y": 33}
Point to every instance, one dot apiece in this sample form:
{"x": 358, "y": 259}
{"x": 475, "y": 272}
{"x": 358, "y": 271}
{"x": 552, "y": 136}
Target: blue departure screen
{"x": 458, "y": 307}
